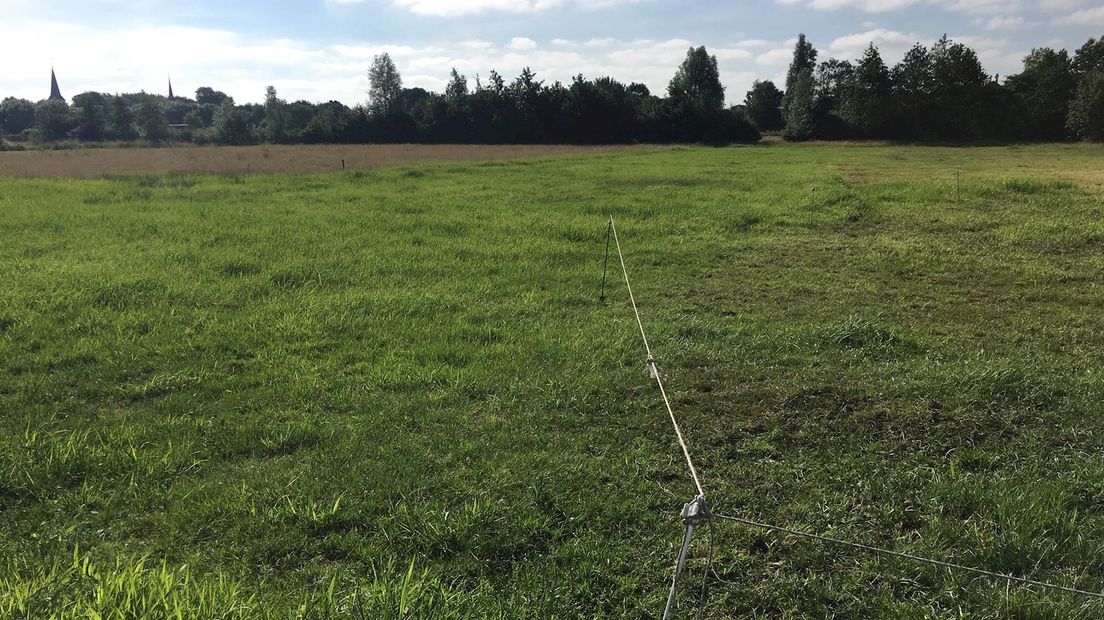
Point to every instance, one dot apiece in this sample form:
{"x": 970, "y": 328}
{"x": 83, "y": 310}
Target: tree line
{"x": 525, "y": 110}
{"x": 941, "y": 93}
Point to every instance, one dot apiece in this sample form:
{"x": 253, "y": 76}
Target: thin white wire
{"x": 909, "y": 556}
{"x": 654, "y": 369}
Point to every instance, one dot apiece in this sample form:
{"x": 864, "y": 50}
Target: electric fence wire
{"x": 911, "y": 557}
{"x": 654, "y": 368}
{"x": 708, "y": 517}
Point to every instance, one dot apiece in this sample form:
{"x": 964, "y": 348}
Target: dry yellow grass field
{"x": 249, "y": 159}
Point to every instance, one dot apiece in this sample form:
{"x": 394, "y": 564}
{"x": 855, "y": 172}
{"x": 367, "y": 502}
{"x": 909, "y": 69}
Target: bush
{"x": 231, "y": 127}
{"x": 52, "y": 120}
{"x": 673, "y": 122}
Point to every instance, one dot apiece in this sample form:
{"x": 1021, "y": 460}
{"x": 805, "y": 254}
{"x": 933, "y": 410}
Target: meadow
{"x": 395, "y": 393}
{"x": 72, "y": 160}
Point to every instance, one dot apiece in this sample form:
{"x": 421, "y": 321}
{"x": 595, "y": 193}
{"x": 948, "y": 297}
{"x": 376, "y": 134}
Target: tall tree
{"x": 698, "y": 81}
{"x": 1086, "y": 116}
{"x": 52, "y": 119}
{"x": 122, "y": 119}
{"x": 1086, "y": 113}
{"x": 457, "y": 89}
{"x": 912, "y": 90}
{"x": 958, "y": 81}
{"x": 866, "y": 101}
{"x": 275, "y": 126}
{"x": 385, "y": 86}
{"x": 207, "y": 95}
{"x": 1044, "y": 90}
{"x": 527, "y": 94}
{"x": 800, "y": 119}
{"x": 498, "y": 84}
{"x": 830, "y": 82}
{"x": 602, "y": 111}
{"x": 1090, "y": 57}
{"x": 487, "y": 107}
{"x": 89, "y": 116}
{"x": 150, "y": 124}
{"x": 763, "y": 104}
{"x": 230, "y": 125}
{"x": 804, "y": 57}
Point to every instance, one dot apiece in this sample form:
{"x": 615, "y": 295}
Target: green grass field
{"x": 395, "y": 393}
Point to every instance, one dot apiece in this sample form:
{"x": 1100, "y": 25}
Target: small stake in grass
{"x": 342, "y": 164}
{"x": 605, "y": 263}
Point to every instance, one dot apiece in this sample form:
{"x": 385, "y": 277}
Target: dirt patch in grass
{"x": 85, "y": 163}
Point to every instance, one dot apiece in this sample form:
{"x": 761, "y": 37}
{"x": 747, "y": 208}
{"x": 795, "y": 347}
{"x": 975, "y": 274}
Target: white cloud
{"x": 870, "y": 6}
{"x": 730, "y": 53}
{"x": 776, "y": 56}
{"x": 476, "y": 44}
{"x": 891, "y": 44}
{"x": 96, "y": 59}
{"x": 457, "y": 8}
{"x": 1004, "y": 23}
{"x": 522, "y": 44}
{"x": 999, "y": 8}
{"x": 1093, "y": 17}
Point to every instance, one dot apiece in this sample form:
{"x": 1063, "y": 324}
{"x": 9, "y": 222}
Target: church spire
{"x": 170, "y": 88}
{"x": 55, "y": 92}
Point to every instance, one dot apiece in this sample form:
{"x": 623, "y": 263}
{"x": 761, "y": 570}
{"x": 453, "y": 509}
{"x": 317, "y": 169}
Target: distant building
{"x": 55, "y": 92}
{"x": 170, "y": 89}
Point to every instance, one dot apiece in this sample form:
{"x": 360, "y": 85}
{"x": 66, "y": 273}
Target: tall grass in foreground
{"x": 137, "y": 588}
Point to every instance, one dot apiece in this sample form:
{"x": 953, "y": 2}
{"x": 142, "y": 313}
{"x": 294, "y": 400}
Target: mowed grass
{"x": 394, "y": 393}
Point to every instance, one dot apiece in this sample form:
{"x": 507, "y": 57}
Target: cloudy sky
{"x": 320, "y": 49}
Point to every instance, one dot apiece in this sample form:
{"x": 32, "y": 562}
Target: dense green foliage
{"x": 1086, "y": 116}
{"x": 763, "y": 105}
{"x": 150, "y": 124}
{"x": 16, "y": 115}
{"x": 800, "y": 120}
{"x": 865, "y": 96}
{"x": 1045, "y": 89}
{"x": 944, "y": 94}
{"x": 385, "y": 93}
{"x": 395, "y": 393}
{"x": 804, "y": 59}
{"x": 698, "y": 82}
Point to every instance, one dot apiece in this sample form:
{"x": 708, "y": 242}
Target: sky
{"x": 319, "y": 50}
